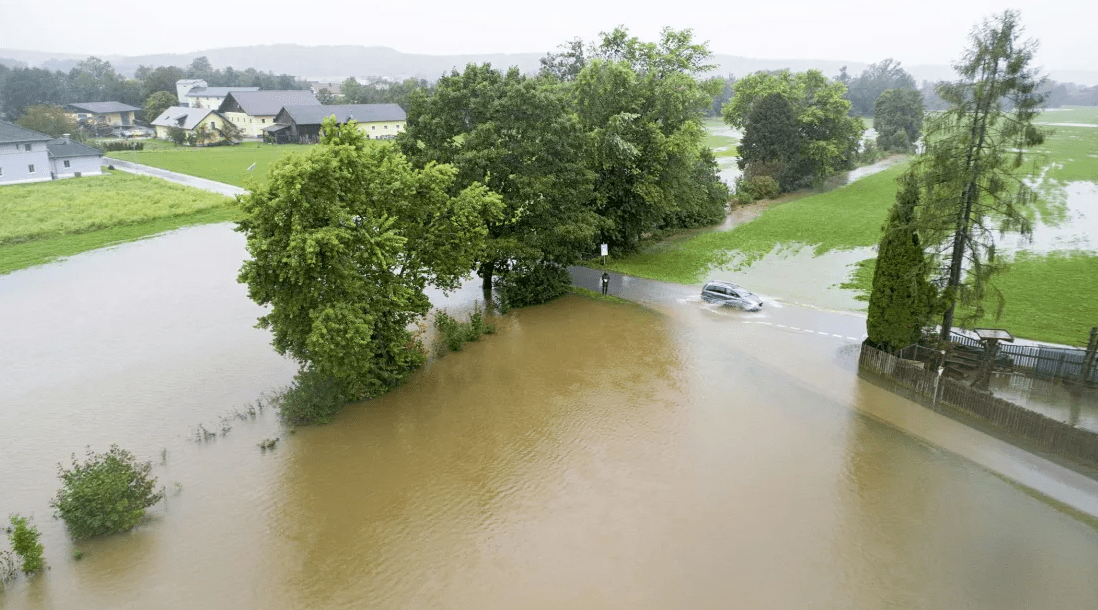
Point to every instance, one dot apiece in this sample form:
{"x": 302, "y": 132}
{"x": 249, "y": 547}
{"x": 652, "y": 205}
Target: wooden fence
{"x": 1041, "y": 360}
{"x": 1054, "y": 436}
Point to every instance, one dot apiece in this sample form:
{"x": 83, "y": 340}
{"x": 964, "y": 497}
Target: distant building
{"x": 69, "y": 159}
{"x": 251, "y": 111}
{"x": 29, "y": 156}
{"x": 111, "y": 113}
{"x": 336, "y": 89}
{"x": 195, "y": 93}
{"x": 301, "y": 124}
{"x": 190, "y": 120}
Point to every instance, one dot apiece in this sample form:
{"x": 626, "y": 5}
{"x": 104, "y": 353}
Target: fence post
{"x": 1088, "y": 359}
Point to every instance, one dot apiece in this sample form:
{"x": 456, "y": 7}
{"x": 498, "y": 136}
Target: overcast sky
{"x": 926, "y": 32}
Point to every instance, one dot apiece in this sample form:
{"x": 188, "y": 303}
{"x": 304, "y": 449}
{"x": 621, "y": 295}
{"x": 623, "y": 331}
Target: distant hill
{"x": 337, "y": 62}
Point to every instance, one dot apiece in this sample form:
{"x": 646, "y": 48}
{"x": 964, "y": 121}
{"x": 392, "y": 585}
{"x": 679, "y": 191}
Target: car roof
{"x": 722, "y": 283}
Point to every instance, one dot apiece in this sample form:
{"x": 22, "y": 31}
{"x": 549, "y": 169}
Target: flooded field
{"x": 589, "y": 454}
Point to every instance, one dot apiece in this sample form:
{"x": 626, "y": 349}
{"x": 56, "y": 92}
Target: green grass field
{"x": 228, "y": 164}
{"x": 46, "y": 220}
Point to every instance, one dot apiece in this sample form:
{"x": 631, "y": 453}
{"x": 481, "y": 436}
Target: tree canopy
{"x": 344, "y": 240}
{"x": 972, "y": 173}
{"x": 517, "y": 136}
{"x": 641, "y": 104}
{"x": 49, "y": 119}
{"x": 864, "y": 89}
{"x": 902, "y": 298}
{"x": 898, "y": 119}
{"x": 828, "y": 137}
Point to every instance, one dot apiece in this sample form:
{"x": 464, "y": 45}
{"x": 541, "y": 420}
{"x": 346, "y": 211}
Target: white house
{"x": 195, "y": 93}
{"x": 69, "y": 159}
{"x": 29, "y": 156}
{"x": 23, "y": 155}
{"x": 202, "y": 121}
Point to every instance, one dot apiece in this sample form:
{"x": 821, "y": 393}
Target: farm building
{"x": 251, "y": 111}
{"x": 301, "y": 124}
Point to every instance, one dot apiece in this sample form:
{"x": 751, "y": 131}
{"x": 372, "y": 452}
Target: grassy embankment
{"x": 228, "y": 164}
{"x": 47, "y": 220}
{"x": 852, "y": 216}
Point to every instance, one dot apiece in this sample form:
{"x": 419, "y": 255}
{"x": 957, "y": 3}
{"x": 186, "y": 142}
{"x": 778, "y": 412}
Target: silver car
{"x": 727, "y": 293}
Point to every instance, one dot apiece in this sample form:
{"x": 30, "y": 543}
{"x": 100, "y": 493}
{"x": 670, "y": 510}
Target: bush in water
{"x": 311, "y": 399}
{"x": 456, "y": 334}
{"x": 24, "y": 541}
{"x": 533, "y": 285}
{"x": 105, "y": 494}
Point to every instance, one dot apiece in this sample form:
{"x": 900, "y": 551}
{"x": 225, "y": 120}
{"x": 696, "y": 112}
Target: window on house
{"x": 30, "y": 168}
{"x": 1, "y": 171}
{"x": 66, "y": 162}
{"x": 27, "y": 147}
{"x": 373, "y": 126}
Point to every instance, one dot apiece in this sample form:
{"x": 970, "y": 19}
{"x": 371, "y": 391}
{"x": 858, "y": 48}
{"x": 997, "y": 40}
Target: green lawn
{"x": 45, "y": 220}
{"x": 228, "y": 164}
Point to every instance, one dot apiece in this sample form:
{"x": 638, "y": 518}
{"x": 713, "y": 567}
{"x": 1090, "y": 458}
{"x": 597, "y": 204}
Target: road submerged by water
{"x": 588, "y": 454}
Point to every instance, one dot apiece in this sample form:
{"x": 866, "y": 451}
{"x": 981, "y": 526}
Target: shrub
{"x": 24, "y": 541}
{"x": 455, "y": 335}
{"x": 311, "y": 399}
{"x": 108, "y": 493}
{"x": 121, "y": 145}
{"x": 753, "y": 188}
{"x": 532, "y": 285}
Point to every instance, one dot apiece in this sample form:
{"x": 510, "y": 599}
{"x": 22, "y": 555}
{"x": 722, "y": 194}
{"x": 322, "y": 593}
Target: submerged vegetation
{"x": 105, "y": 494}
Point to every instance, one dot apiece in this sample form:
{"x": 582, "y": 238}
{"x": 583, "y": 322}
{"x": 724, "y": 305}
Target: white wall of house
{"x": 17, "y": 164}
{"x": 87, "y": 166}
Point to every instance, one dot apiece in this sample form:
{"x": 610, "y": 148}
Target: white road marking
{"x": 834, "y": 335}
{"x": 793, "y": 328}
{"x": 852, "y": 338}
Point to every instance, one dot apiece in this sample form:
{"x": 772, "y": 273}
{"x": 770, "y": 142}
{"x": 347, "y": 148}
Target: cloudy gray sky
{"x": 926, "y": 32}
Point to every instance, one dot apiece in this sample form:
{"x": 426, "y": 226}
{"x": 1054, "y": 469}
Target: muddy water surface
{"x": 589, "y": 454}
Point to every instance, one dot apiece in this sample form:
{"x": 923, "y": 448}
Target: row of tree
{"x": 95, "y": 80}
{"x": 514, "y": 177}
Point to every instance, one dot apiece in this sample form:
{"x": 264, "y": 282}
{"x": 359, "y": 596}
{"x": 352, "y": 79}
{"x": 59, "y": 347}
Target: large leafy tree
{"x": 29, "y": 87}
{"x": 344, "y": 240}
{"x": 771, "y": 143}
{"x": 864, "y": 89}
{"x": 902, "y": 299}
{"x": 641, "y": 104}
{"x": 48, "y": 119}
{"x": 974, "y": 167}
{"x": 898, "y": 119}
{"x": 157, "y": 103}
{"x": 515, "y": 135}
{"x": 828, "y": 136}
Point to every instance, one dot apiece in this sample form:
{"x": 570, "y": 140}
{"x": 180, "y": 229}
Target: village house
{"x": 195, "y": 93}
{"x": 29, "y": 156}
{"x": 251, "y": 111}
{"x": 70, "y": 159}
{"x": 301, "y": 124}
{"x": 110, "y": 113}
{"x": 23, "y": 155}
{"x": 197, "y": 121}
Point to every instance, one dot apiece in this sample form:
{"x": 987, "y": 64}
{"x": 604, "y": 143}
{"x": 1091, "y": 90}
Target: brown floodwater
{"x": 587, "y": 455}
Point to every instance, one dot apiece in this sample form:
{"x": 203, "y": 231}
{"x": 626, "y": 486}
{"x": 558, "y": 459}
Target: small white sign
{"x": 605, "y": 250}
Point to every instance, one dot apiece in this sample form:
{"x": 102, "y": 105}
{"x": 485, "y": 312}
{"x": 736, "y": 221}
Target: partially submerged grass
{"x": 1046, "y": 297}
{"x": 41, "y": 251}
{"x": 598, "y": 296}
{"x": 79, "y": 205}
{"x": 848, "y": 217}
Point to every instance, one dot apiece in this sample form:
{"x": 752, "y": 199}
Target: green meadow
{"x": 228, "y": 164}
{"x": 47, "y": 220}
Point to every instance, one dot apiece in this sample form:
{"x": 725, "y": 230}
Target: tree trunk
{"x": 486, "y": 271}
